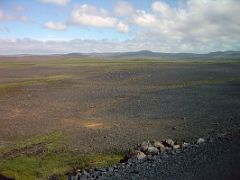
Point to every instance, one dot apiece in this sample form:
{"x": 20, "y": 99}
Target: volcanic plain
{"x": 60, "y": 113}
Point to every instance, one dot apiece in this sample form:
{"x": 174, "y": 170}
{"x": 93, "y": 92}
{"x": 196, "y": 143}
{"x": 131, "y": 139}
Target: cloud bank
{"x": 193, "y": 26}
{"x": 55, "y": 26}
{"x": 58, "y": 2}
{"x": 87, "y": 15}
{"x": 31, "y": 46}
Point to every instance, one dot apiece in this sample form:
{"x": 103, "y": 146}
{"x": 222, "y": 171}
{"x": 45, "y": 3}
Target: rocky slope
{"x": 215, "y": 158}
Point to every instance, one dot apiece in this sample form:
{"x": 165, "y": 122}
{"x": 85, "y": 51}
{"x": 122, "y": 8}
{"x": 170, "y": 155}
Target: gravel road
{"x": 218, "y": 158}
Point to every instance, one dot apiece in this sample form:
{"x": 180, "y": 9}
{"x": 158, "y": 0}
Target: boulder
{"x": 200, "y": 141}
{"x": 144, "y": 146}
{"x": 185, "y": 145}
{"x": 140, "y": 155}
{"x": 159, "y": 145}
{"x": 177, "y": 146}
{"x": 131, "y": 156}
{"x": 168, "y": 143}
{"x": 152, "y": 150}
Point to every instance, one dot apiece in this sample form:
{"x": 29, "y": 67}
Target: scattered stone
{"x": 185, "y": 145}
{"x": 169, "y": 150}
{"x": 78, "y": 171}
{"x": 51, "y": 177}
{"x": 168, "y": 143}
{"x": 220, "y": 135}
{"x": 159, "y": 145}
{"x": 177, "y": 146}
{"x": 144, "y": 146}
{"x": 110, "y": 169}
{"x": 200, "y": 141}
{"x": 178, "y": 151}
{"x": 140, "y": 155}
{"x": 145, "y": 152}
{"x": 152, "y": 150}
{"x": 85, "y": 173}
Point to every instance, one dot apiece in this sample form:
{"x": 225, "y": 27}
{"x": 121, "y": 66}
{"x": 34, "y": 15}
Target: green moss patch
{"x": 45, "y": 155}
{"x": 32, "y": 81}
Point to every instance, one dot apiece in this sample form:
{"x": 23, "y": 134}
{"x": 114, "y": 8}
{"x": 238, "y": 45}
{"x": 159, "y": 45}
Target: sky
{"x": 65, "y": 26}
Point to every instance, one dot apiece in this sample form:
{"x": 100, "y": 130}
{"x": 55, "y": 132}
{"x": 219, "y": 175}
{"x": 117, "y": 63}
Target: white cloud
{"x": 163, "y": 8}
{"x": 196, "y": 26}
{"x": 122, "y": 27}
{"x": 200, "y": 22}
{"x": 58, "y": 2}
{"x": 87, "y": 15}
{"x": 55, "y": 26}
{"x": 142, "y": 18}
{"x": 31, "y": 46}
{"x": 91, "y": 16}
{"x": 123, "y": 8}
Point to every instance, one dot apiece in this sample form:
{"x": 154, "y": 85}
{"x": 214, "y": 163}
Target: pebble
{"x": 200, "y": 141}
{"x": 185, "y": 145}
{"x": 110, "y": 169}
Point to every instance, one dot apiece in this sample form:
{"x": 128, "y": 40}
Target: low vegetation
{"x": 105, "y": 105}
{"x": 32, "y": 81}
{"x": 45, "y": 155}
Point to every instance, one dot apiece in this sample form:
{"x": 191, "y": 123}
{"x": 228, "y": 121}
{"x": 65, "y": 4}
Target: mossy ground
{"x": 57, "y": 159}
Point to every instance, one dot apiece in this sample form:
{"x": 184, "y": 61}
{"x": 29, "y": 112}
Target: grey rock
{"x": 177, "y": 146}
{"x": 110, "y": 169}
{"x": 200, "y": 141}
{"x": 169, "y": 142}
{"x": 185, "y": 145}
{"x": 152, "y": 150}
{"x": 159, "y": 145}
{"x": 144, "y": 146}
{"x": 140, "y": 155}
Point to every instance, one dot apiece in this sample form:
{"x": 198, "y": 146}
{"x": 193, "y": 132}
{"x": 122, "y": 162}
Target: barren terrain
{"x": 101, "y": 106}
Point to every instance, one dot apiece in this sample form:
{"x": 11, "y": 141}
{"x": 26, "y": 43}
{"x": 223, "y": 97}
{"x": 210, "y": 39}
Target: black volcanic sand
{"x": 217, "y": 159}
{"x": 104, "y": 105}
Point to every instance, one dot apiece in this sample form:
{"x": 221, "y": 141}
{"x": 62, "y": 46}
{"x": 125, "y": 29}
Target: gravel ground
{"x": 106, "y": 106}
{"x": 218, "y": 158}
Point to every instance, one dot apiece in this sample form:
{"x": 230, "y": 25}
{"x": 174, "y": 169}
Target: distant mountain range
{"x": 160, "y": 55}
{"x": 150, "y": 55}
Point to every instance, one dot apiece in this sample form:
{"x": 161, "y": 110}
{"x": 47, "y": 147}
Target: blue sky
{"x": 62, "y": 26}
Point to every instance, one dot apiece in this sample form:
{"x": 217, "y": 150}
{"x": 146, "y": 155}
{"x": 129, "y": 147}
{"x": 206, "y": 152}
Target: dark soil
{"x": 114, "y": 105}
{"x": 32, "y": 150}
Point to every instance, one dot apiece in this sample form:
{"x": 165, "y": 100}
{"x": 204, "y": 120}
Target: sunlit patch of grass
{"x": 95, "y": 160}
{"x": 15, "y": 65}
{"x": 59, "y": 159}
{"x": 52, "y": 140}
